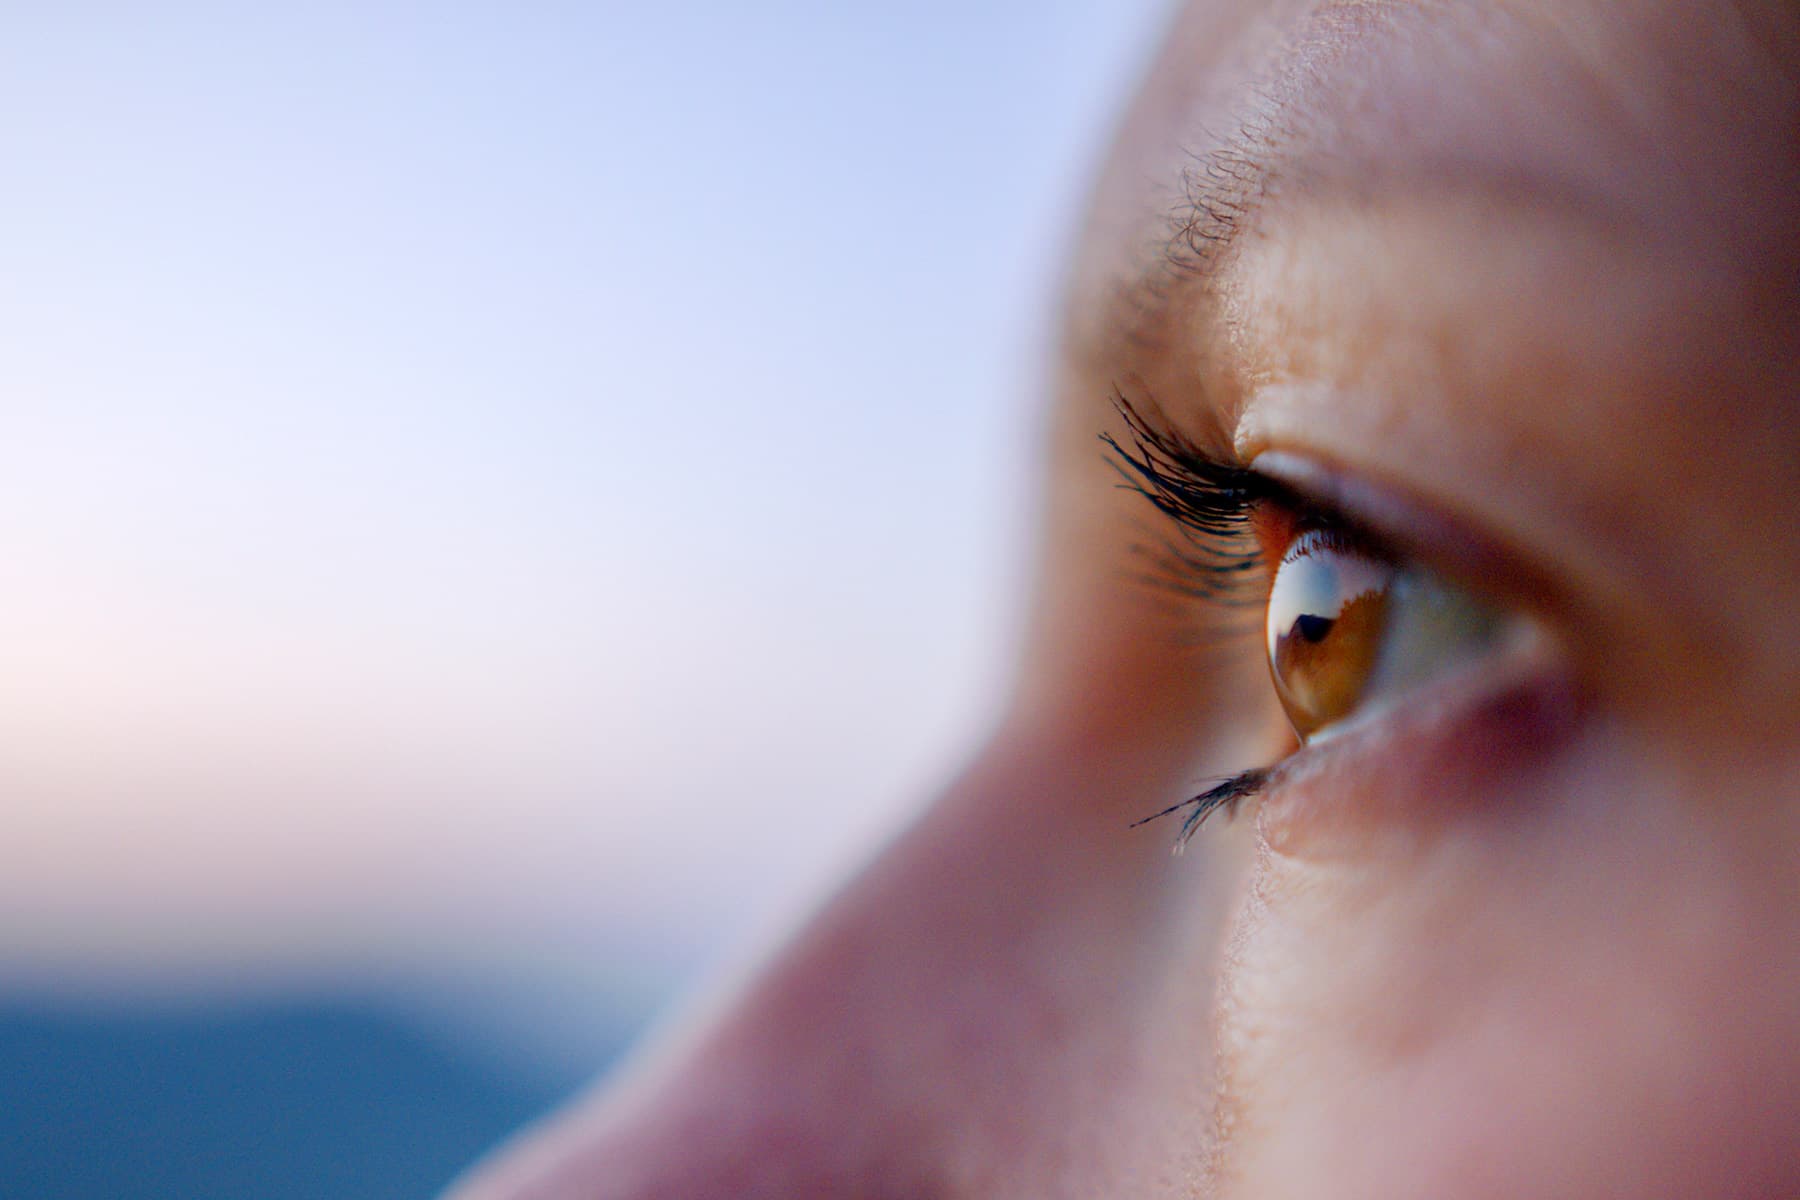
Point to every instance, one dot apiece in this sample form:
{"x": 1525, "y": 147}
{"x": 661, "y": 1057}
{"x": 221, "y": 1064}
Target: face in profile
{"x": 1420, "y": 541}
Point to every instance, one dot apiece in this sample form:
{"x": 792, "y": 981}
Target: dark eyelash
{"x": 1211, "y": 503}
{"x": 1227, "y": 794}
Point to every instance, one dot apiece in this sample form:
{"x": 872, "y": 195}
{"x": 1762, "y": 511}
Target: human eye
{"x": 1355, "y": 623}
{"x": 1350, "y": 629}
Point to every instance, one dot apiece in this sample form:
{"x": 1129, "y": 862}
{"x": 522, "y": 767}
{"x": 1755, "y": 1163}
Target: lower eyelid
{"x": 1429, "y": 760}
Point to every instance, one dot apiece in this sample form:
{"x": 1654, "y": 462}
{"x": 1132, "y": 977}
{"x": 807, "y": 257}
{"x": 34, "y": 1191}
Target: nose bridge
{"x": 943, "y": 1028}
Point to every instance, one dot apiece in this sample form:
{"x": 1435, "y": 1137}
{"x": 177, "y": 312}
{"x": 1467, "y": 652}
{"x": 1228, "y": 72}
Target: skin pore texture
{"x": 1515, "y": 285}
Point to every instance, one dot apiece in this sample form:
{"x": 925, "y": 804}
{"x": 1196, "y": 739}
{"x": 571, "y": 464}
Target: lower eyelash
{"x": 1212, "y": 502}
{"x": 1227, "y": 794}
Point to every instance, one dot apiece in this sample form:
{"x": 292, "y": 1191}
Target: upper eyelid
{"x": 1403, "y": 528}
{"x": 1223, "y": 501}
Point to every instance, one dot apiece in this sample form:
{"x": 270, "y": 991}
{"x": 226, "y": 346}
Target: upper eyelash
{"x": 1190, "y": 485}
{"x": 1210, "y": 501}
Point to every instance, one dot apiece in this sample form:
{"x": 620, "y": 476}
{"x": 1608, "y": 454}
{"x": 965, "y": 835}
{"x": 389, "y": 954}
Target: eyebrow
{"x": 1224, "y": 188}
{"x": 1222, "y": 185}
{"x": 1219, "y": 188}
{"x": 1284, "y": 134}
{"x": 1219, "y": 192}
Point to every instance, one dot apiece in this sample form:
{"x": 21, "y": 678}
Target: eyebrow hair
{"x": 1219, "y": 188}
{"x": 1223, "y": 184}
{"x": 1216, "y": 197}
{"x": 1223, "y": 188}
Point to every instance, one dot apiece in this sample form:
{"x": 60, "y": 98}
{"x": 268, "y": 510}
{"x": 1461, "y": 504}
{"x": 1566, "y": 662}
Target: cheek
{"x": 1592, "y": 998}
{"x": 1009, "y": 1004}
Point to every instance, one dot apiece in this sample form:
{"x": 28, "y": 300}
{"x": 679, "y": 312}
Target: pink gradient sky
{"x": 478, "y": 481}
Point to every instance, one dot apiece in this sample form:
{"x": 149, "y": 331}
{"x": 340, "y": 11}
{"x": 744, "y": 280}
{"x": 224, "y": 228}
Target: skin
{"x": 1514, "y": 284}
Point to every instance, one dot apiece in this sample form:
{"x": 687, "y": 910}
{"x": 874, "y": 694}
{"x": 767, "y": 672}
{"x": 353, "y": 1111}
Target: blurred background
{"x": 499, "y": 507}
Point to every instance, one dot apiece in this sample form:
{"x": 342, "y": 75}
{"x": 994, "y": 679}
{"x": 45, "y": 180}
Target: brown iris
{"x": 1327, "y": 613}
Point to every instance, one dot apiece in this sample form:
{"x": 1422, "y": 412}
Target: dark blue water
{"x": 317, "y": 1099}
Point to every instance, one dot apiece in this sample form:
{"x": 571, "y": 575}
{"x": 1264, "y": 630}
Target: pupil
{"x": 1313, "y": 628}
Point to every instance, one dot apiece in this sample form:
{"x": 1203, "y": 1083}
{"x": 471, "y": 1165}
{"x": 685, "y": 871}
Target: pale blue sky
{"x": 479, "y": 478}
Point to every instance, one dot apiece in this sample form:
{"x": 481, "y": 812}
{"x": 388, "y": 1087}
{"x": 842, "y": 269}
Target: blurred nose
{"x": 996, "y": 1008}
